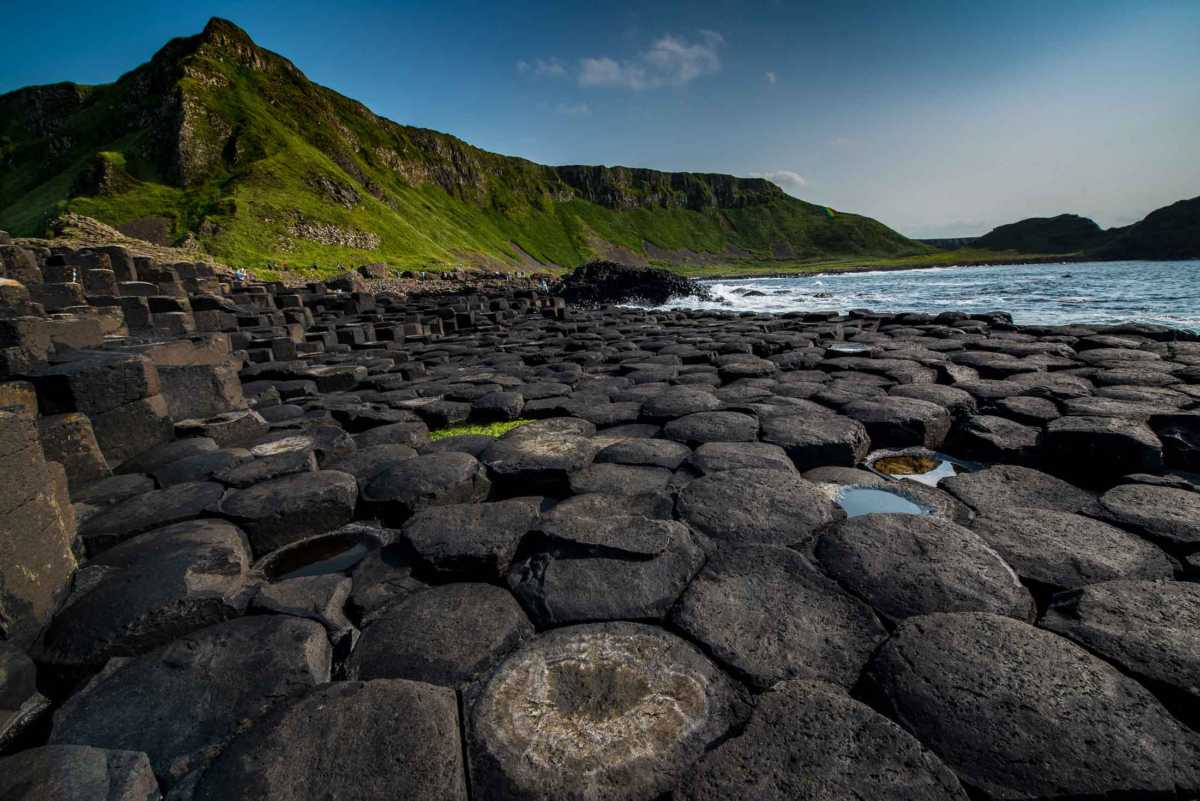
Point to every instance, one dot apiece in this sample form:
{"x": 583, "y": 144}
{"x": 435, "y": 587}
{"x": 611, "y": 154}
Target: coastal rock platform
{"x": 293, "y": 543}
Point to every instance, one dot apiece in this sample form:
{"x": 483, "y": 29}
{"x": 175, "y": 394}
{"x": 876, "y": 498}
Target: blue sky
{"x": 938, "y": 118}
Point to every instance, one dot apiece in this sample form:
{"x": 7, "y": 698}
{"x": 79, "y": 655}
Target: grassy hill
{"x": 221, "y": 143}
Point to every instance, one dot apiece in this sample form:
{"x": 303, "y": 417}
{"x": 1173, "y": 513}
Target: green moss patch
{"x": 484, "y": 429}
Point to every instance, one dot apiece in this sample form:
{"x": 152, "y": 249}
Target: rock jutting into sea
{"x": 294, "y": 542}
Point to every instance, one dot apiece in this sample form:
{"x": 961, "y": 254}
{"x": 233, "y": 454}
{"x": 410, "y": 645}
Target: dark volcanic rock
{"x": 989, "y": 438}
{"x": 182, "y": 703}
{"x": 432, "y": 479}
{"x": 609, "y": 711}
{"x": 350, "y": 740}
{"x": 809, "y": 741}
{"x": 768, "y": 615}
{"x": 817, "y": 441}
{"x": 604, "y": 282}
{"x": 77, "y": 773}
{"x": 471, "y": 540}
{"x": 701, "y": 427}
{"x": 713, "y": 457}
{"x": 1171, "y": 516}
{"x": 1060, "y": 550}
{"x": 754, "y": 505}
{"x": 287, "y": 509}
{"x": 21, "y": 705}
{"x": 905, "y": 565}
{"x": 537, "y": 463}
{"x": 1146, "y": 628}
{"x": 896, "y": 422}
{"x": 644, "y": 451}
{"x": 150, "y": 510}
{"x": 149, "y": 590}
{"x": 1102, "y": 447}
{"x": 1019, "y": 712}
{"x": 446, "y": 635}
{"x": 619, "y": 479}
{"x": 1007, "y": 486}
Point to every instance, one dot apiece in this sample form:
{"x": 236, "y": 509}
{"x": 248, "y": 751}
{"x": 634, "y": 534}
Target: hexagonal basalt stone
{"x": 150, "y": 510}
{"x": 471, "y": 540}
{"x": 644, "y": 451}
{"x": 612, "y": 711}
{"x": 896, "y": 422}
{"x": 1102, "y": 447}
{"x": 1060, "y": 550}
{"x": 1006, "y": 486}
{"x": 1021, "y": 713}
{"x": 809, "y": 741}
{"x": 817, "y": 441}
{"x": 1170, "y": 516}
{"x": 350, "y": 740}
{"x": 183, "y": 702}
{"x": 701, "y": 427}
{"x": 995, "y": 439}
{"x": 678, "y": 401}
{"x": 432, "y": 479}
{"x": 446, "y": 635}
{"x": 537, "y": 463}
{"x": 755, "y": 505}
{"x": 77, "y": 773}
{"x": 620, "y": 479}
{"x": 905, "y": 565}
{"x": 1146, "y": 628}
{"x": 769, "y": 615}
{"x": 713, "y": 457}
{"x": 287, "y": 509}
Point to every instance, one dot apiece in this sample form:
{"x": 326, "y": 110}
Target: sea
{"x": 1162, "y": 292}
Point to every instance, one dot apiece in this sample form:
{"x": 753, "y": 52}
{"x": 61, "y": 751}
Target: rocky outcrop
{"x": 602, "y": 282}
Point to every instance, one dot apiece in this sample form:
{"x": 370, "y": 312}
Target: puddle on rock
{"x": 856, "y": 501}
{"x": 926, "y": 467}
{"x": 333, "y": 555}
{"x": 848, "y": 347}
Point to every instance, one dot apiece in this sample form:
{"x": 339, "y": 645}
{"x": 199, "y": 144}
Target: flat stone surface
{"x": 1102, "y": 447}
{"x": 713, "y": 457}
{"x": 808, "y": 740}
{"x": 768, "y": 615}
{"x": 351, "y": 740}
{"x": 896, "y": 422}
{"x": 701, "y": 427}
{"x": 644, "y": 451}
{"x": 183, "y": 702}
{"x": 471, "y": 540}
{"x": 1146, "y": 628}
{"x": 817, "y": 441}
{"x": 619, "y": 479}
{"x": 990, "y": 438}
{"x": 538, "y": 463}
{"x": 1171, "y": 516}
{"x": 1060, "y": 550}
{"x": 755, "y": 505}
{"x": 1007, "y": 486}
{"x": 432, "y": 479}
{"x": 77, "y": 773}
{"x": 291, "y": 508}
{"x": 148, "y": 511}
{"x": 446, "y": 635}
{"x": 905, "y": 565}
{"x": 150, "y": 590}
{"x": 1019, "y": 712}
{"x": 614, "y": 711}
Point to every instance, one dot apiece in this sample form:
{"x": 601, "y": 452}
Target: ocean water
{"x": 1167, "y": 293}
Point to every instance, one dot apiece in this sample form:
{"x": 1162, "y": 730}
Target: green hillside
{"x": 220, "y": 142}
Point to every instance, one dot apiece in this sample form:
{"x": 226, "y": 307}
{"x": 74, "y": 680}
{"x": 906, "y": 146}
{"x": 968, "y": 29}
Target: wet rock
{"x": 1004, "y": 705}
{"x": 291, "y": 508}
{"x": 183, "y": 702}
{"x": 906, "y": 565}
{"x": 618, "y": 567}
{"x": 433, "y": 479}
{"x": 604, "y": 282}
{"x": 446, "y": 635}
{"x": 768, "y": 615}
{"x": 896, "y": 422}
{"x": 540, "y": 463}
{"x": 351, "y": 740}
{"x": 78, "y": 773}
{"x": 1060, "y": 550}
{"x": 148, "y": 511}
{"x": 1170, "y": 516}
{"x": 471, "y": 540}
{"x": 150, "y": 590}
{"x": 818, "y": 441}
{"x": 753, "y": 505}
{"x": 1146, "y": 628}
{"x": 1004, "y": 487}
{"x": 614, "y": 711}
{"x": 713, "y": 457}
{"x": 808, "y": 740}
{"x": 696, "y": 429}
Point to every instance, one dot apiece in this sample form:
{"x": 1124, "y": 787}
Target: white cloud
{"x": 772, "y": 77}
{"x": 573, "y": 109}
{"x": 670, "y": 61}
{"x": 784, "y": 179}
{"x": 542, "y": 68}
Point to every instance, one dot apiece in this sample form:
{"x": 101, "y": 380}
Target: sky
{"x": 940, "y": 119}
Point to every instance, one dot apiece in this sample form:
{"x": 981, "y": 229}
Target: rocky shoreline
{"x": 720, "y": 556}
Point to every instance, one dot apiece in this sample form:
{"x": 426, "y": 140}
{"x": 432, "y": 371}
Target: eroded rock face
{"x": 1044, "y": 720}
{"x": 809, "y": 741}
{"x": 79, "y": 773}
{"x": 614, "y": 711}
